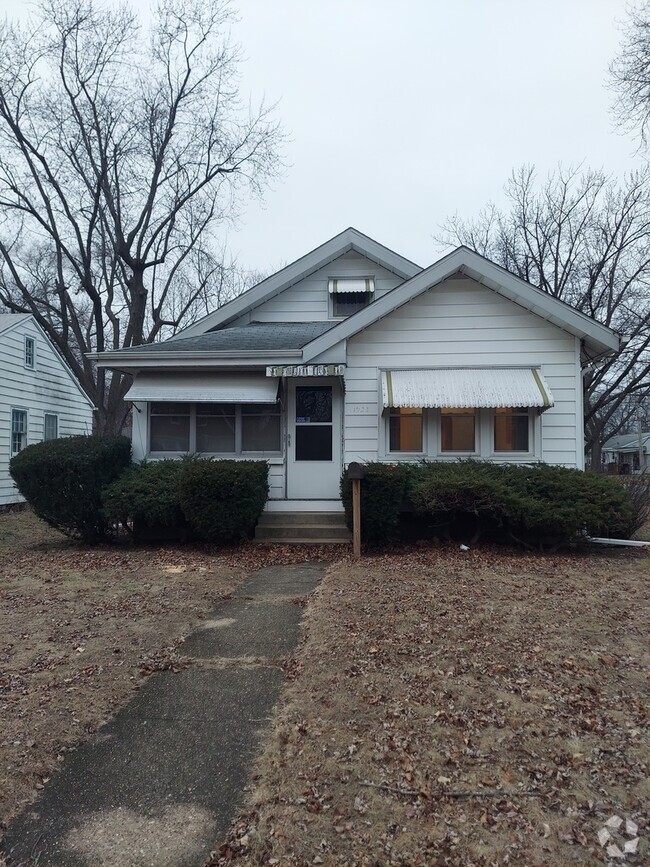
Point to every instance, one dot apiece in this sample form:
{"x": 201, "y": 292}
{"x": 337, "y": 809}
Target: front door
{"x": 314, "y": 440}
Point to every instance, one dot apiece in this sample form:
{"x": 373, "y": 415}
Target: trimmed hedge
{"x": 539, "y": 506}
{"x": 147, "y": 494}
{"x": 223, "y": 500}
{"x": 62, "y": 480}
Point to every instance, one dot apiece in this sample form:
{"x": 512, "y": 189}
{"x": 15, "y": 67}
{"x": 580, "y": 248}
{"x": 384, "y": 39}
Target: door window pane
{"x": 314, "y": 442}
{"x": 215, "y": 427}
{"x": 313, "y": 404}
{"x": 260, "y": 428}
{"x": 458, "y": 430}
{"x": 511, "y": 429}
{"x": 405, "y": 426}
{"x": 170, "y": 427}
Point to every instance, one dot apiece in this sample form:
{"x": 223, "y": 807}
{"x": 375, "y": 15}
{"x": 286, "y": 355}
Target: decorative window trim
{"x": 29, "y": 353}
{"x": 239, "y": 452}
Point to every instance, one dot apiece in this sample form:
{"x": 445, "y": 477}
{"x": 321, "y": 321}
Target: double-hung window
{"x": 170, "y": 427}
{"x": 511, "y": 429}
{"x": 18, "y": 430}
{"x": 30, "y": 353}
{"x": 50, "y": 426}
{"x": 457, "y": 430}
{"x": 406, "y": 429}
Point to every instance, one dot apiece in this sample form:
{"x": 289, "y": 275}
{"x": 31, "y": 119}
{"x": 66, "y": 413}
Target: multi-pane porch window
{"x": 511, "y": 429}
{"x": 457, "y": 430}
{"x": 215, "y": 428}
{"x": 18, "y": 430}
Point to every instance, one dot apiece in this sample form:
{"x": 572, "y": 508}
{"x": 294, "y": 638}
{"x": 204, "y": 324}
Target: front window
{"x": 215, "y": 427}
{"x": 50, "y": 426}
{"x": 30, "y": 352}
{"x": 457, "y": 430}
{"x": 260, "y": 427}
{"x": 170, "y": 427}
{"x": 18, "y": 430}
{"x": 405, "y": 429}
{"x": 511, "y": 429}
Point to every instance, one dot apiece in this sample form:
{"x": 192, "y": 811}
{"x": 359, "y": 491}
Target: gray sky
{"x": 403, "y": 112}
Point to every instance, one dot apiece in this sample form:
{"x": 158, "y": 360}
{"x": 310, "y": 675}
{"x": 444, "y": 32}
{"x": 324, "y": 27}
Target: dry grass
{"x": 476, "y": 709}
{"x": 79, "y": 628}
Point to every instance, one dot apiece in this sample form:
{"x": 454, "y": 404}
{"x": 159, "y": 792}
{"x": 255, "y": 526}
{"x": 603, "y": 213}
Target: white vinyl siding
{"x": 309, "y": 299}
{"x": 48, "y": 388}
{"x": 462, "y": 324}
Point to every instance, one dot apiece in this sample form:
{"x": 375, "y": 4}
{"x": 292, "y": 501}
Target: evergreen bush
{"x": 148, "y": 496}
{"x": 383, "y": 491}
{"x": 222, "y": 500}
{"x": 62, "y": 480}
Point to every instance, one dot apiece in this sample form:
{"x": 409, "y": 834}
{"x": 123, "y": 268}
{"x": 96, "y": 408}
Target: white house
{"x": 354, "y": 353}
{"x": 39, "y": 397}
{"x": 623, "y": 452}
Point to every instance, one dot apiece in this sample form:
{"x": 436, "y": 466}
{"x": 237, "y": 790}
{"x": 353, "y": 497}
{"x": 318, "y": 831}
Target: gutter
{"x": 110, "y": 359}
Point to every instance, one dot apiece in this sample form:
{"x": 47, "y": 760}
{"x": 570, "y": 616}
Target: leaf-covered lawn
{"x": 461, "y": 709}
{"x": 79, "y": 629}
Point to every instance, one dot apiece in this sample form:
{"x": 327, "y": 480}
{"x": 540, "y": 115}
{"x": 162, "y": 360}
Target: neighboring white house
{"x": 39, "y": 397}
{"x": 353, "y": 353}
{"x": 623, "y": 452}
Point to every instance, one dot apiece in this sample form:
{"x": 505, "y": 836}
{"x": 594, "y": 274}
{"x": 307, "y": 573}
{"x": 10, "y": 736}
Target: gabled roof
{"x": 597, "y": 338}
{"x": 255, "y": 337}
{"x": 10, "y": 320}
{"x": 350, "y": 239}
{"x": 626, "y": 442}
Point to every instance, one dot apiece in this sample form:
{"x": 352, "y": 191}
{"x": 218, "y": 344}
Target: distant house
{"x": 354, "y": 353}
{"x": 622, "y": 452}
{"x": 39, "y": 397}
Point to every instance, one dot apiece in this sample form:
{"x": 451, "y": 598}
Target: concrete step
{"x": 300, "y": 528}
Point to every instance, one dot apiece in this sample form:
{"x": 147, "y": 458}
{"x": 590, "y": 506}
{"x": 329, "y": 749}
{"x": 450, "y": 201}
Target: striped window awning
{"x": 351, "y": 284}
{"x": 466, "y": 388}
{"x": 204, "y": 388}
{"x": 306, "y": 370}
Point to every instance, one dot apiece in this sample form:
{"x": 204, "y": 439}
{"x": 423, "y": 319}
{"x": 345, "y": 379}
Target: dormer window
{"x": 350, "y": 294}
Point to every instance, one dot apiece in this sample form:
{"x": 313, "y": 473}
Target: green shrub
{"x": 148, "y": 495}
{"x": 383, "y": 491}
{"x": 62, "y": 480}
{"x": 223, "y": 500}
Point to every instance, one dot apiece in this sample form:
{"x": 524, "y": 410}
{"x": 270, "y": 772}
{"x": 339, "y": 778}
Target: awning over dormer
{"x": 466, "y": 388}
{"x": 351, "y": 284}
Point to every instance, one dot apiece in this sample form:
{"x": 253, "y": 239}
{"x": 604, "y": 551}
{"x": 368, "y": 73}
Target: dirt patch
{"x": 461, "y": 709}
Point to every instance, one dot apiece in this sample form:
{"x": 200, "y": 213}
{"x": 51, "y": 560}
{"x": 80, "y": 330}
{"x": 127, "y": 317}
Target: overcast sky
{"x": 403, "y": 112}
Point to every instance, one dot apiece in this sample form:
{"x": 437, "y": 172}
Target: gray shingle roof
{"x": 256, "y": 336}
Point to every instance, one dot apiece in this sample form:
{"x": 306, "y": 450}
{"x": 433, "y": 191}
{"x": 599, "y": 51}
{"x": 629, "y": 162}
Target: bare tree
{"x": 121, "y": 153}
{"x": 630, "y": 74}
{"x": 585, "y": 240}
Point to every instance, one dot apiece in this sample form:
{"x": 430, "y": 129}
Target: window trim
{"x": 24, "y": 410}
{"x": 29, "y": 340}
{"x": 54, "y": 415}
{"x": 238, "y": 454}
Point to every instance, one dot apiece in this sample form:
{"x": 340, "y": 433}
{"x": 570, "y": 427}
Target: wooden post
{"x": 356, "y": 518}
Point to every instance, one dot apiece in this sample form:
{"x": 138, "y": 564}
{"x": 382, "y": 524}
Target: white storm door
{"x": 314, "y": 445}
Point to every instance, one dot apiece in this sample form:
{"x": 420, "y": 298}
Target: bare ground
{"x": 80, "y": 628}
{"x": 483, "y": 708}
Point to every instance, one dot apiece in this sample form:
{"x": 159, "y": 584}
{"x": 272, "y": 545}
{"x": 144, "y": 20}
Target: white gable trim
{"x": 597, "y": 336}
{"x": 350, "y": 239}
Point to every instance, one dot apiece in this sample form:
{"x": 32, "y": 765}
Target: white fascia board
{"x": 350, "y": 239}
{"x": 140, "y": 361}
{"x": 482, "y": 271}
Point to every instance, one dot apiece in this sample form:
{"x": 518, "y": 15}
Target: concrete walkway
{"x": 160, "y": 783}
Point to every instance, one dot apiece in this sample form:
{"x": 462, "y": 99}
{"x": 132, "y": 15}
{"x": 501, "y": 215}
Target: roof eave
{"x": 200, "y": 358}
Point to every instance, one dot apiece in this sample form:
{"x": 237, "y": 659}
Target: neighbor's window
{"x": 30, "y": 352}
{"x": 51, "y": 426}
{"x": 260, "y": 427}
{"x": 18, "y": 430}
{"x": 170, "y": 427}
{"x": 215, "y": 427}
{"x": 405, "y": 429}
{"x": 511, "y": 429}
{"x": 457, "y": 430}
